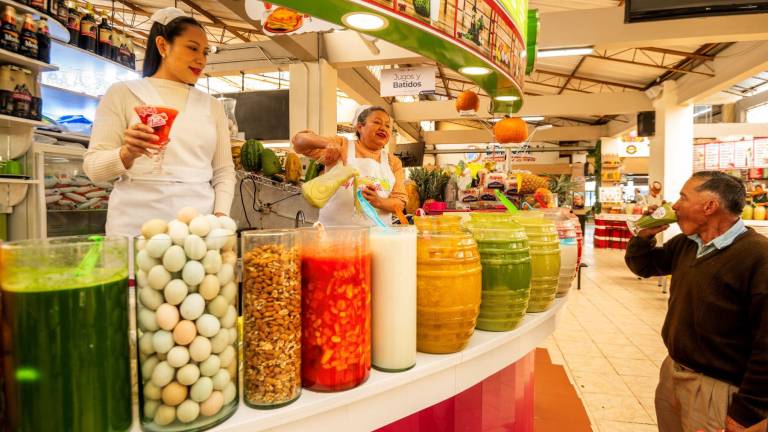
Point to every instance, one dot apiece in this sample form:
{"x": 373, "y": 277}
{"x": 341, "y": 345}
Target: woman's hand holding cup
{"x": 138, "y": 140}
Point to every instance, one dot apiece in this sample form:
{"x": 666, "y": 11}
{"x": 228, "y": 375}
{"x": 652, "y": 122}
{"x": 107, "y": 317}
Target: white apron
{"x": 340, "y": 209}
{"x": 188, "y": 161}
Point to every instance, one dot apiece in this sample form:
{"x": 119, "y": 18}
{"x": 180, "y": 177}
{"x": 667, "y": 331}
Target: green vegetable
{"x": 312, "y": 170}
{"x": 421, "y": 7}
{"x": 250, "y": 155}
{"x": 270, "y": 164}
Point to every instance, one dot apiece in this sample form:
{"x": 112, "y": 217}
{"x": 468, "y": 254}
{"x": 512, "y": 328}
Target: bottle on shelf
{"x": 116, "y": 41}
{"x": 73, "y": 23}
{"x": 43, "y": 41}
{"x": 38, "y": 4}
{"x": 131, "y": 60}
{"x": 104, "y": 47}
{"x": 6, "y": 90}
{"x": 28, "y": 37}
{"x": 123, "y": 55}
{"x": 88, "y": 30}
{"x": 62, "y": 11}
{"x": 10, "y": 33}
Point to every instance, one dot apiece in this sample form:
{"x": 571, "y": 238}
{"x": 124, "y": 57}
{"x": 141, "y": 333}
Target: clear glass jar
{"x": 186, "y": 314}
{"x": 272, "y": 318}
{"x": 448, "y": 284}
{"x": 545, "y": 259}
{"x": 336, "y": 308}
{"x": 569, "y": 247}
{"x": 66, "y": 350}
{"x": 506, "y": 261}
{"x": 393, "y": 298}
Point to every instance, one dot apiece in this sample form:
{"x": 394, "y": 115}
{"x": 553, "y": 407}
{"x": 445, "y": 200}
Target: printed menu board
{"x": 726, "y": 156}
{"x": 742, "y": 154}
{"x": 761, "y": 152}
{"x": 712, "y": 156}
{"x": 698, "y": 158}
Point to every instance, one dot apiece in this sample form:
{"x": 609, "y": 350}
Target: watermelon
{"x": 250, "y": 155}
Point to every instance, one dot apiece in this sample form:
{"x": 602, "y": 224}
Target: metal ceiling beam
{"x": 651, "y": 65}
{"x": 215, "y": 19}
{"x": 711, "y": 49}
{"x": 679, "y": 53}
{"x": 445, "y": 82}
{"x": 572, "y": 74}
{"x": 592, "y": 80}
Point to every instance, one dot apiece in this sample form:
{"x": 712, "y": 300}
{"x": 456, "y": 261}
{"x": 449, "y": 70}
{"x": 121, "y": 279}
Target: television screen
{"x": 263, "y": 115}
{"x": 654, "y": 10}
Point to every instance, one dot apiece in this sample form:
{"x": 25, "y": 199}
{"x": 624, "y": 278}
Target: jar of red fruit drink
{"x": 336, "y": 308}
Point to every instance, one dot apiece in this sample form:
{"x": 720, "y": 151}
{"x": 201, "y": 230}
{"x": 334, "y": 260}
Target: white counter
{"x": 387, "y": 397}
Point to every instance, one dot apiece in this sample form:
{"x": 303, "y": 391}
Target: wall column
{"x": 313, "y": 97}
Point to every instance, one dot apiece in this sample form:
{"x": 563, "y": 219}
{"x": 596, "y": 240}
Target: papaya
{"x": 292, "y": 168}
{"x": 270, "y": 164}
{"x": 250, "y": 155}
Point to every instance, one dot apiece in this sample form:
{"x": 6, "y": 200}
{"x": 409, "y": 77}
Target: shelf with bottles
{"x": 57, "y": 30}
{"x": 24, "y": 41}
{"x": 93, "y": 33}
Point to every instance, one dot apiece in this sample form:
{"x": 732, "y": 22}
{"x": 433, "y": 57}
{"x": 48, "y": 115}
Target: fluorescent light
{"x": 508, "y": 98}
{"x": 474, "y": 70}
{"x": 533, "y": 118}
{"x": 364, "y": 21}
{"x": 702, "y": 112}
{"x": 563, "y": 52}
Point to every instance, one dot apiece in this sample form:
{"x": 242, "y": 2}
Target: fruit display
{"x": 292, "y": 168}
{"x": 529, "y": 183}
{"x": 468, "y": 101}
{"x": 186, "y": 316}
{"x": 270, "y": 164}
{"x": 64, "y": 192}
{"x": 758, "y": 213}
{"x": 250, "y": 155}
{"x": 313, "y": 170}
{"x": 272, "y": 318}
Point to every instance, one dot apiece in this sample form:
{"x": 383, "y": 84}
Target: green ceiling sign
{"x": 484, "y": 40}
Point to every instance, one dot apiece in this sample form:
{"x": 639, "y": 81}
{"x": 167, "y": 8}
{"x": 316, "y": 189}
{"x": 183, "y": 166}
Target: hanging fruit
{"x": 468, "y": 101}
{"x": 510, "y": 130}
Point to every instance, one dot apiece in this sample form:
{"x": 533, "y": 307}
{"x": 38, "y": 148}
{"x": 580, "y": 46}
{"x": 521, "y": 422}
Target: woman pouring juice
{"x": 382, "y": 177}
{"x": 166, "y": 142}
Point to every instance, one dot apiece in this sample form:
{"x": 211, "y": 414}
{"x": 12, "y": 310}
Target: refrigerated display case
{"x": 64, "y": 201}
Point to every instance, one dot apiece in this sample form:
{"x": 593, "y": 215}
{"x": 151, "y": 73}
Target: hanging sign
{"x": 726, "y": 156}
{"x": 411, "y": 81}
{"x": 742, "y": 154}
{"x": 712, "y": 156}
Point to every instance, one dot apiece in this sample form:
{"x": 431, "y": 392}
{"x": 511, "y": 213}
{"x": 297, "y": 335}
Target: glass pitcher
{"x": 66, "y": 353}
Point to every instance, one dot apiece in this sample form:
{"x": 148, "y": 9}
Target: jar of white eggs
{"x": 186, "y": 319}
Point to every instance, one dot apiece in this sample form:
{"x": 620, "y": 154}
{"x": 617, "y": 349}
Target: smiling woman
{"x": 197, "y": 165}
{"x": 381, "y": 179}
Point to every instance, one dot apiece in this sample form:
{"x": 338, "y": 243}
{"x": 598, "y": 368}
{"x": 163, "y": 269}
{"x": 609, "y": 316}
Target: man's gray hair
{"x": 728, "y": 188}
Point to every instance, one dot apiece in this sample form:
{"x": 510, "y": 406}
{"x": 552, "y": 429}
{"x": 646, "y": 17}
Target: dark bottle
{"x": 10, "y": 35}
{"x": 62, "y": 12}
{"x": 73, "y": 23}
{"x": 88, "y": 31}
{"x": 38, "y": 4}
{"x": 123, "y": 56}
{"x": 131, "y": 60}
{"x": 104, "y": 47}
{"x": 28, "y": 39}
{"x": 43, "y": 41}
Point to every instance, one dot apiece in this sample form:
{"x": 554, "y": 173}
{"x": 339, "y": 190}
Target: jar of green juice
{"x": 506, "y": 261}
{"x": 448, "y": 284}
{"x": 545, "y": 259}
{"x": 66, "y": 353}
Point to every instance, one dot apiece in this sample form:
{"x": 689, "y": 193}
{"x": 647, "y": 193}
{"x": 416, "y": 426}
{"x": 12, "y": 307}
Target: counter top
{"x": 387, "y": 397}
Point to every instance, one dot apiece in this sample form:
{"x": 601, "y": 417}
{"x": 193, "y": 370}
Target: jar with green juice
{"x": 448, "y": 284}
{"x": 544, "y": 243}
{"x": 66, "y": 352}
{"x": 506, "y": 261}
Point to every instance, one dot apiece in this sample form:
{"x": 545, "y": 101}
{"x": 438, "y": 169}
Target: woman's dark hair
{"x": 363, "y": 116}
{"x": 170, "y": 31}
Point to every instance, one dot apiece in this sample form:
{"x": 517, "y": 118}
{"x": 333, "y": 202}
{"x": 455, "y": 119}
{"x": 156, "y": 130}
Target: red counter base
{"x": 503, "y": 401}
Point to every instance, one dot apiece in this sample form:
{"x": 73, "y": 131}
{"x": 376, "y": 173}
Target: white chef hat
{"x": 359, "y": 111}
{"x": 166, "y": 15}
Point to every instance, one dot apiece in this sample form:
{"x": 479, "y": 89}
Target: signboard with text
{"x": 411, "y": 81}
{"x": 729, "y": 155}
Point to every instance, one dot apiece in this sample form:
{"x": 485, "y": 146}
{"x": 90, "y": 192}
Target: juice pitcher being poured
{"x": 381, "y": 175}
{"x": 163, "y": 115}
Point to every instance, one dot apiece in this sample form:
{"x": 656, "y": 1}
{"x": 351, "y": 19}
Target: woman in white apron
{"x": 381, "y": 174}
{"x": 197, "y": 161}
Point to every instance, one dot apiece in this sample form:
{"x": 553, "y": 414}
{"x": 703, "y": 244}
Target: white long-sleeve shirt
{"x": 115, "y": 114}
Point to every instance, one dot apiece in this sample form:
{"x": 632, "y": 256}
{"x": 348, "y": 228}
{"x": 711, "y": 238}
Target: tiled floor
{"x": 609, "y": 342}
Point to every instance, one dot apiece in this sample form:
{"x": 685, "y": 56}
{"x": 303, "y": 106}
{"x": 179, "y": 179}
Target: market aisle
{"x": 609, "y": 342}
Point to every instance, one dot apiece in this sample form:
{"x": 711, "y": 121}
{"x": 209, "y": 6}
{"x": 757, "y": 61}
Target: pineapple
{"x": 531, "y": 182}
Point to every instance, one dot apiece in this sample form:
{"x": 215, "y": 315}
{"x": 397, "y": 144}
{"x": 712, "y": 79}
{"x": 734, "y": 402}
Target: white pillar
{"x": 313, "y": 98}
{"x": 671, "y": 160}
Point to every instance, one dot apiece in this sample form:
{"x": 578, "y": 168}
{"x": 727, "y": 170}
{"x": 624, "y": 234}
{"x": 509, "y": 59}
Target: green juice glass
{"x": 65, "y": 334}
